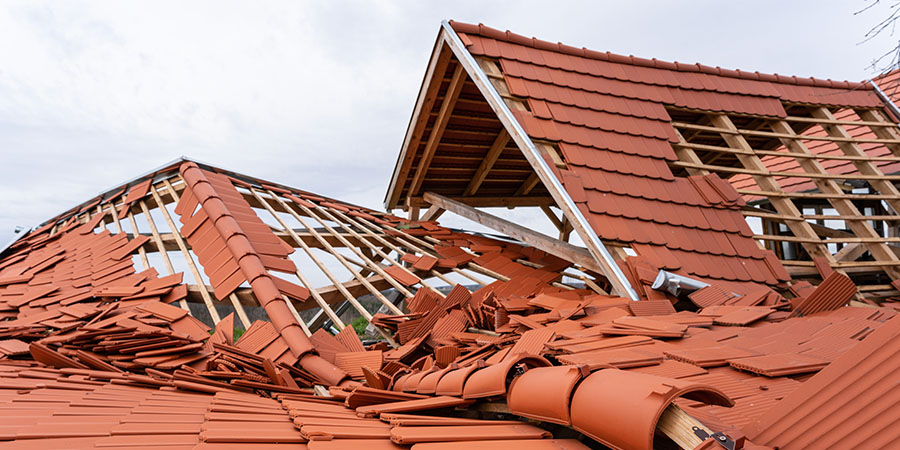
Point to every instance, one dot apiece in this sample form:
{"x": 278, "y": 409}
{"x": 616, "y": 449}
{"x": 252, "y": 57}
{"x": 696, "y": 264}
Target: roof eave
{"x": 392, "y": 196}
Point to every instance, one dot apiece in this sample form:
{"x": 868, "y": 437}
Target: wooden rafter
{"x": 487, "y": 163}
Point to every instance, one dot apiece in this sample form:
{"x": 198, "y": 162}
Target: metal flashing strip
{"x": 597, "y": 249}
{"x": 887, "y": 100}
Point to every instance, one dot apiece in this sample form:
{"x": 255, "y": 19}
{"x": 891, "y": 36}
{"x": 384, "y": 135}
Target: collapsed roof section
{"x": 640, "y": 153}
{"x": 236, "y": 236}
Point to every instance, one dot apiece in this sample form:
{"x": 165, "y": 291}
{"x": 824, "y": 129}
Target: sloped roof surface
{"x": 609, "y": 114}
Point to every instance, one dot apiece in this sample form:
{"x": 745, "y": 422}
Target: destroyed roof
{"x": 99, "y": 355}
{"x": 482, "y": 342}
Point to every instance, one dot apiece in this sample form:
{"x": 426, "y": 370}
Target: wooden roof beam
{"x": 555, "y": 247}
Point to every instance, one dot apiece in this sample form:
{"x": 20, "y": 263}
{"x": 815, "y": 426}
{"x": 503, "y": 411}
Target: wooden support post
{"x": 566, "y": 232}
{"x": 553, "y": 219}
{"x": 207, "y": 298}
{"x": 540, "y": 241}
{"x": 437, "y": 130}
{"x": 487, "y": 163}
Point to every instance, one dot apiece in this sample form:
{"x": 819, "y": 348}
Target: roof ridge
{"x": 508, "y": 36}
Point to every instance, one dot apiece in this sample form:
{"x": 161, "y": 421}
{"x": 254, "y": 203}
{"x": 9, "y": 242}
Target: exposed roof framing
{"x": 332, "y": 239}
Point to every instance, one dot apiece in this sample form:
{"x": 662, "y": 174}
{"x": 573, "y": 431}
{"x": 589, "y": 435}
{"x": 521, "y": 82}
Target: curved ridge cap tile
{"x": 492, "y": 380}
{"x": 429, "y": 383}
{"x": 411, "y": 383}
{"x": 400, "y": 383}
{"x": 261, "y": 283}
{"x": 621, "y": 408}
{"x": 508, "y": 36}
{"x": 544, "y": 393}
{"x": 452, "y": 383}
{"x": 323, "y": 369}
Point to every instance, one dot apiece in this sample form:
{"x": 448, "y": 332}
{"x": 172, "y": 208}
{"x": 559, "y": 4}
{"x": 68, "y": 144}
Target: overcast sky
{"x": 318, "y": 95}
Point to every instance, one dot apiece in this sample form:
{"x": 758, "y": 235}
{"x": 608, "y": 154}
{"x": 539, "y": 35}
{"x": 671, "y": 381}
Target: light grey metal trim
{"x": 565, "y": 202}
{"x": 887, "y": 100}
{"x": 19, "y": 235}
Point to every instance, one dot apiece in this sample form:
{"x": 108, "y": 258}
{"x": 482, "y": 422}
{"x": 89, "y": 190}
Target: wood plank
{"x": 783, "y": 154}
{"x": 863, "y": 123}
{"x": 841, "y": 240}
{"x": 564, "y": 250}
{"x": 742, "y": 132}
{"x": 813, "y": 176}
{"x": 812, "y": 195}
{"x": 679, "y": 427}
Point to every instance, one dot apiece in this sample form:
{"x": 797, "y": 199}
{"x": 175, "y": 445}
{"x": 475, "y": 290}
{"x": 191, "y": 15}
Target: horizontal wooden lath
{"x": 713, "y": 143}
